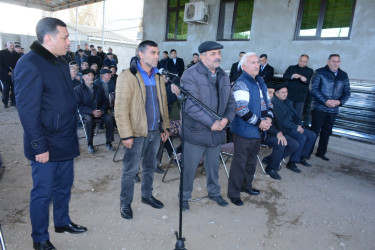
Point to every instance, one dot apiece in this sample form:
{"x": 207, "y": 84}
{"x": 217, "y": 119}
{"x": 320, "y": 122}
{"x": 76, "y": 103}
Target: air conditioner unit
{"x": 196, "y": 12}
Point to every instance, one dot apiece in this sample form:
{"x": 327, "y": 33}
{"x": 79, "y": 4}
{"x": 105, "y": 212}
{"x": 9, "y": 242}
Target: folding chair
{"x": 83, "y": 122}
{"x": 174, "y": 126}
{"x": 2, "y": 240}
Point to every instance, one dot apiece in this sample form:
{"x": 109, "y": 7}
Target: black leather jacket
{"x": 326, "y": 86}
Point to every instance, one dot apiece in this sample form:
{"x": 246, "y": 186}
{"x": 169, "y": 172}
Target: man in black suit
{"x": 178, "y": 65}
{"x": 236, "y": 71}
{"x": 298, "y": 80}
{"x": 266, "y": 71}
{"x": 165, "y": 62}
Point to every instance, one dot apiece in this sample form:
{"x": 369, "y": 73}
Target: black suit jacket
{"x": 166, "y": 64}
{"x": 179, "y": 67}
{"x": 235, "y": 72}
{"x": 267, "y": 73}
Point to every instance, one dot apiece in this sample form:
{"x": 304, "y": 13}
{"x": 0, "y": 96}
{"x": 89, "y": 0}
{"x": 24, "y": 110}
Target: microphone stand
{"x": 182, "y": 97}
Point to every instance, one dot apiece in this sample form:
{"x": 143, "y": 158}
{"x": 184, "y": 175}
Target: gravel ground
{"x": 328, "y": 206}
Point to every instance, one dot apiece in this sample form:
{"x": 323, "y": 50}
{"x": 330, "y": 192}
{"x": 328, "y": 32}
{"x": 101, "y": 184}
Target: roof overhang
{"x": 50, "y": 5}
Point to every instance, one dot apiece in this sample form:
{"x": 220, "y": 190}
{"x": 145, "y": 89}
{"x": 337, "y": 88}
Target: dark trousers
{"x": 322, "y": 124}
{"x": 279, "y": 151}
{"x": 298, "y": 106}
{"x": 306, "y": 142}
{"x": 90, "y": 127}
{"x": 146, "y": 148}
{"x": 52, "y": 181}
{"x": 243, "y": 166}
{"x": 167, "y": 146}
{"x": 8, "y": 91}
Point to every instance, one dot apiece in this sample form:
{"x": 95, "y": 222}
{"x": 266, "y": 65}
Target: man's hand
{"x": 127, "y": 143}
{"x": 10, "y": 73}
{"x": 264, "y": 125}
{"x": 296, "y": 76}
{"x": 336, "y": 103}
{"x": 97, "y": 113}
{"x": 164, "y": 136}
{"x": 175, "y": 90}
{"x": 216, "y": 126}
{"x": 330, "y": 103}
{"x": 300, "y": 129}
{"x": 303, "y": 79}
{"x": 281, "y": 139}
{"x": 42, "y": 158}
{"x": 166, "y": 79}
{"x": 223, "y": 123}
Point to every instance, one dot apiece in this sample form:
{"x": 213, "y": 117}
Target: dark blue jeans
{"x": 279, "y": 151}
{"x": 146, "y": 148}
{"x": 306, "y": 141}
{"x": 52, "y": 181}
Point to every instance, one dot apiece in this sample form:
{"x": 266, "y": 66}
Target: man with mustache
{"x": 204, "y": 133}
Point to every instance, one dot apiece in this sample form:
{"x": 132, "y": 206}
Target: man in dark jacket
{"x": 330, "y": 89}
{"x": 80, "y": 58}
{"x": 93, "y": 105}
{"x": 94, "y": 58}
{"x": 298, "y": 79}
{"x": 47, "y": 109}
{"x": 266, "y": 71}
{"x": 8, "y": 60}
{"x": 253, "y": 118}
{"x": 291, "y": 125}
{"x": 178, "y": 65}
{"x": 165, "y": 62}
{"x": 204, "y": 134}
{"x": 236, "y": 71}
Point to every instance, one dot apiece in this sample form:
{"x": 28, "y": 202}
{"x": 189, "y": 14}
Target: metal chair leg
{"x": 261, "y": 165}
{"x": 175, "y": 157}
{"x": 225, "y": 166}
{"x": 2, "y": 240}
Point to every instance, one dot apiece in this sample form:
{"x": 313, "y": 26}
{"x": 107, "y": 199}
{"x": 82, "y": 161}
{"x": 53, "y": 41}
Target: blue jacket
{"x": 46, "y": 105}
{"x": 325, "y": 85}
{"x": 243, "y": 127}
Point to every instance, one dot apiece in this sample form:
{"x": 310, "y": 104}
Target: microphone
{"x": 167, "y": 73}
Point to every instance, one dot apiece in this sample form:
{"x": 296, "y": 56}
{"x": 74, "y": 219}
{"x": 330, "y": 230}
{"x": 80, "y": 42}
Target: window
{"x": 324, "y": 19}
{"x": 176, "y": 27}
{"x": 235, "y": 19}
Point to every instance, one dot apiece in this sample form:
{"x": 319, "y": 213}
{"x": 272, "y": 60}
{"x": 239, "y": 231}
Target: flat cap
{"x": 209, "y": 45}
{"x": 280, "y": 86}
{"x": 87, "y": 71}
{"x": 80, "y": 50}
{"x": 105, "y": 71}
{"x": 109, "y": 53}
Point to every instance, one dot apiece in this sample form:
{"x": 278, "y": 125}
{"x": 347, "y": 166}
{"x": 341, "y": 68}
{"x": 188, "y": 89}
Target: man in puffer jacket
{"x": 330, "y": 89}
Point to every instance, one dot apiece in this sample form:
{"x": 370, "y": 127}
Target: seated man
{"x": 93, "y": 104}
{"x": 292, "y": 126}
{"x": 282, "y": 145}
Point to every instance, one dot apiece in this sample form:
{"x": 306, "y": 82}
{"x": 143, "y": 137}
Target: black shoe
{"x": 304, "y": 162}
{"x": 109, "y": 146}
{"x": 219, "y": 200}
{"x": 159, "y": 170}
{"x": 91, "y": 149}
{"x": 71, "y": 228}
{"x": 137, "y": 179}
{"x": 253, "y": 191}
{"x": 235, "y": 201}
{"x": 5, "y": 106}
{"x": 185, "y": 206}
{"x": 323, "y": 157}
{"x": 44, "y": 245}
{"x": 292, "y": 166}
{"x": 273, "y": 174}
{"x": 153, "y": 202}
{"x": 126, "y": 212}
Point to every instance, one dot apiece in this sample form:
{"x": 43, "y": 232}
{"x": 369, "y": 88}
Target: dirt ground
{"x": 328, "y": 206}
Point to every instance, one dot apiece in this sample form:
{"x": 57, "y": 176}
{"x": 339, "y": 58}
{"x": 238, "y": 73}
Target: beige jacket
{"x": 130, "y": 112}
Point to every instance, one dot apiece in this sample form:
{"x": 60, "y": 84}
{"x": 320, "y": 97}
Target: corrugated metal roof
{"x": 50, "y": 5}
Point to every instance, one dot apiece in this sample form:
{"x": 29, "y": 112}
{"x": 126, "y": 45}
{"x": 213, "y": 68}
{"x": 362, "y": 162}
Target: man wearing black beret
{"x": 204, "y": 133}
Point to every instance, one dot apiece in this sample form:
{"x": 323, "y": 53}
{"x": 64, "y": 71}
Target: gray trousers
{"x": 146, "y": 147}
{"x": 192, "y": 155}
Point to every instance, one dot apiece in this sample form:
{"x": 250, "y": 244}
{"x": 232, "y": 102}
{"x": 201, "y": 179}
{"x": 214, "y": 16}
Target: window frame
{"x": 233, "y": 21}
{"x": 319, "y": 25}
{"x": 169, "y": 10}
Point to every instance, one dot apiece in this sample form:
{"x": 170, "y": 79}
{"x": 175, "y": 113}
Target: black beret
{"x": 109, "y": 53}
{"x": 80, "y": 50}
{"x": 272, "y": 84}
{"x": 209, "y": 45}
{"x": 87, "y": 71}
{"x": 280, "y": 86}
{"x": 105, "y": 71}
{"x": 99, "y": 47}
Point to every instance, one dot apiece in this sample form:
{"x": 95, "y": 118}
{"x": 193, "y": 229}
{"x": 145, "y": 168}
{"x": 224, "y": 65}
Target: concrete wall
{"x": 273, "y": 27}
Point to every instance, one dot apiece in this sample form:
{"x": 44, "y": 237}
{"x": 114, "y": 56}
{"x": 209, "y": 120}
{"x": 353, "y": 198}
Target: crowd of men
{"x": 246, "y": 103}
